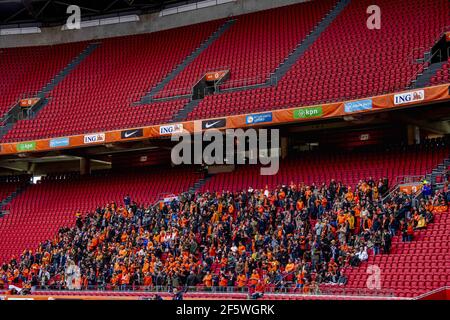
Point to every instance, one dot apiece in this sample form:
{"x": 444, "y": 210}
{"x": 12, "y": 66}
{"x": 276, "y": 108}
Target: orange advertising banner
{"x": 281, "y": 116}
{"x": 216, "y": 75}
{"x": 411, "y": 188}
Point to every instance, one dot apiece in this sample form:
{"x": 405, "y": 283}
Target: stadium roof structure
{"x": 53, "y": 12}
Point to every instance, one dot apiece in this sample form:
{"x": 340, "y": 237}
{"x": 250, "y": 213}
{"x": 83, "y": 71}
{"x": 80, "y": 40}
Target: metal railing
{"x": 399, "y": 180}
{"x": 246, "y": 83}
{"x": 323, "y": 290}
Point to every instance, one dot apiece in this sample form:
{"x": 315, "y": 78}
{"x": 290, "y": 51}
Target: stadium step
{"x": 16, "y": 113}
{"x": 301, "y": 48}
{"x": 183, "y": 112}
{"x": 5, "y": 129}
{"x": 432, "y": 176}
{"x": 424, "y": 79}
{"x": 149, "y": 97}
{"x": 8, "y": 199}
{"x": 65, "y": 72}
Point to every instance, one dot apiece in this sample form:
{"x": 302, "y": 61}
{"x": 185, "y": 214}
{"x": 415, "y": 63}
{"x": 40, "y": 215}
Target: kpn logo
{"x": 26, "y": 146}
{"x": 308, "y": 112}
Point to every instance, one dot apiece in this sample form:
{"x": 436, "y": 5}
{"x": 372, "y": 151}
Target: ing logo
{"x": 374, "y": 20}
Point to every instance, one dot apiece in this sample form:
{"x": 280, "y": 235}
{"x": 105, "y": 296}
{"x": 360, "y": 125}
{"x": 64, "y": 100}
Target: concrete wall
{"x": 148, "y": 23}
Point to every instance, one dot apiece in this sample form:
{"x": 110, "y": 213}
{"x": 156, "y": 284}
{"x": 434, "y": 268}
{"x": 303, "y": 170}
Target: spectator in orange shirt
{"x": 207, "y": 280}
{"x": 241, "y": 281}
{"x": 148, "y": 280}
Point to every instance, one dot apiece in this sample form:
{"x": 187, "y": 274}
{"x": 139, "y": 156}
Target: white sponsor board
{"x": 171, "y": 129}
{"x": 94, "y": 138}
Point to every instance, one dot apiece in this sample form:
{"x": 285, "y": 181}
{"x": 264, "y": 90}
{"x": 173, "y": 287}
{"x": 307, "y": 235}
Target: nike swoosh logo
{"x": 209, "y": 125}
{"x": 129, "y": 134}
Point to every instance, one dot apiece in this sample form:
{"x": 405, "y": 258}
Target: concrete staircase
{"x": 12, "y": 116}
{"x": 439, "y": 171}
{"x": 67, "y": 69}
{"x": 10, "y": 198}
{"x": 298, "y": 51}
{"x": 183, "y": 112}
{"x": 190, "y": 192}
{"x": 15, "y": 114}
{"x": 5, "y": 129}
{"x": 423, "y": 79}
{"x": 148, "y": 98}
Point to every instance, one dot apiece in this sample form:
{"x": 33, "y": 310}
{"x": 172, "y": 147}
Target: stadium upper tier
{"x": 304, "y": 54}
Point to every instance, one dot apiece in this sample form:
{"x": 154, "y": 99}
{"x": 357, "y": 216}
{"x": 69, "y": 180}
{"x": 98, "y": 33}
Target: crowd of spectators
{"x": 294, "y": 237}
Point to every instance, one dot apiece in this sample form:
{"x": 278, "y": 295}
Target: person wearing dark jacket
{"x": 387, "y": 240}
{"x": 191, "y": 280}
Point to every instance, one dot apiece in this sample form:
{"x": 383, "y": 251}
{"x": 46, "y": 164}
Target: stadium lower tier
{"x": 113, "y": 86}
{"x": 109, "y": 232}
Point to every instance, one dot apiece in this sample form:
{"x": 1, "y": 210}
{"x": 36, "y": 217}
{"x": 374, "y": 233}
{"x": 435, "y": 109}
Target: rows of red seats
{"x": 99, "y": 94}
{"x": 420, "y": 266}
{"x": 442, "y": 75}
{"x": 254, "y": 46}
{"x": 25, "y": 71}
{"x": 319, "y": 167}
{"x": 10, "y": 184}
{"x": 38, "y": 213}
{"x": 137, "y": 295}
{"x": 348, "y": 61}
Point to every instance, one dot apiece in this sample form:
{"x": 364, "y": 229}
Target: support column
{"x": 413, "y": 134}
{"x": 85, "y": 166}
{"x": 284, "y": 145}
